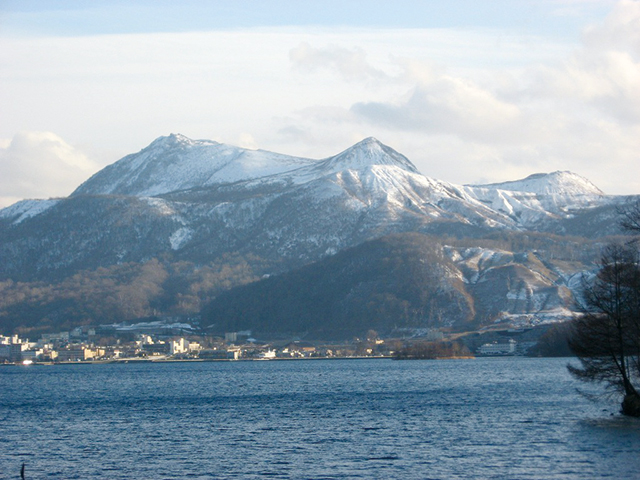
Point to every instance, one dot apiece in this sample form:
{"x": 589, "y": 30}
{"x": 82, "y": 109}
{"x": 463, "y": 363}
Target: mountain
{"x": 401, "y": 284}
{"x": 280, "y": 208}
{"x": 403, "y": 277}
{"x": 176, "y": 162}
{"x": 566, "y": 185}
{"x": 204, "y": 209}
{"x": 541, "y": 197}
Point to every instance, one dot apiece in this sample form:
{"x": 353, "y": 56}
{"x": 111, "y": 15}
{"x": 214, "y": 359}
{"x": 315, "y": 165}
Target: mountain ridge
{"x": 555, "y": 181}
{"x": 189, "y": 204}
{"x": 299, "y": 210}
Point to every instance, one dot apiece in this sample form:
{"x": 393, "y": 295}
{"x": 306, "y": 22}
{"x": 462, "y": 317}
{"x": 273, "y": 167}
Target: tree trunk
{"x": 631, "y": 405}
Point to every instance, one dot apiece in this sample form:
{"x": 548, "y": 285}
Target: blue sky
{"x": 470, "y": 91}
{"x": 84, "y": 17}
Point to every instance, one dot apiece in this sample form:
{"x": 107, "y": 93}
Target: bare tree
{"x": 631, "y": 217}
{"x": 606, "y": 339}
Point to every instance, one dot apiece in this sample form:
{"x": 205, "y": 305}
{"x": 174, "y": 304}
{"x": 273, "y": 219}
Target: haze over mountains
{"x": 189, "y": 210}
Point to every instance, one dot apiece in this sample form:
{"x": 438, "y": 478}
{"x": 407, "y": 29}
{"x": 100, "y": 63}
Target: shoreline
{"x": 190, "y": 360}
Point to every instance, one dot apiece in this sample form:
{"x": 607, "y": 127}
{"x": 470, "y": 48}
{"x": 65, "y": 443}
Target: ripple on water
{"x": 488, "y": 418}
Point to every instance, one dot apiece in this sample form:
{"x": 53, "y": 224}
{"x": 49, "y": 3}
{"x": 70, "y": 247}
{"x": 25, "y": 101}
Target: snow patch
{"x": 180, "y": 237}
{"x": 26, "y": 209}
{"x": 161, "y": 206}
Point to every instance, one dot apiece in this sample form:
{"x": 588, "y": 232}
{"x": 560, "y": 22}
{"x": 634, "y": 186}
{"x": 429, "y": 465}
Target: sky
{"x": 470, "y": 91}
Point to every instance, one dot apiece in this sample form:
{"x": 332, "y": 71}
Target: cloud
{"x": 619, "y": 31}
{"x": 446, "y": 106}
{"x": 351, "y": 64}
{"x": 602, "y": 78}
{"x": 40, "y": 165}
{"x": 246, "y": 140}
{"x": 606, "y": 71}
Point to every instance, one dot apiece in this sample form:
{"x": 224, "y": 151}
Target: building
{"x": 496, "y": 348}
{"x": 178, "y": 347}
{"x": 11, "y": 348}
{"x": 61, "y": 337}
{"x": 157, "y": 348}
{"x": 33, "y": 355}
{"x": 214, "y": 354}
{"x": 267, "y": 354}
{"x": 145, "y": 339}
{"x": 11, "y": 352}
{"x": 233, "y": 337}
{"x": 74, "y": 354}
{"x": 234, "y": 354}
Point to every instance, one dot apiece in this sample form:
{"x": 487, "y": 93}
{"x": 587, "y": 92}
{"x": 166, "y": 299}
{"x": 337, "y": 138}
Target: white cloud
{"x": 447, "y": 106}
{"x": 246, "y": 140}
{"x": 40, "y": 165}
{"x": 351, "y": 63}
{"x": 619, "y": 31}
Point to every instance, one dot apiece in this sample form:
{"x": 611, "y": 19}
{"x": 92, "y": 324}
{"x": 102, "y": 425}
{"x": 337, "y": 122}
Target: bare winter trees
{"x": 606, "y": 339}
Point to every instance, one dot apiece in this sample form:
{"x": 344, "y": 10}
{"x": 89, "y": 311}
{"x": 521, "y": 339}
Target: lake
{"x": 488, "y": 418}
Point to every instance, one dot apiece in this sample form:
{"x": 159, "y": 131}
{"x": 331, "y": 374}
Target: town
{"x": 156, "y": 341}
{"x": 175, "y": 341}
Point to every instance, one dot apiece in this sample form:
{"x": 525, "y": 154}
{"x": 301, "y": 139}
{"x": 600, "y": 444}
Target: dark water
{"x": 487, "y": 418}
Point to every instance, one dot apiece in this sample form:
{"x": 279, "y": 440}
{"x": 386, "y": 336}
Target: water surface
{"x": 489, "y": 418}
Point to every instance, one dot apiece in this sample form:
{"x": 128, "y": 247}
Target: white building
{"x": 11, "y": 348}
{"x": 176, "y": 347}
{"x": 14, "y": 340}
{"x": 234, "y": 353}
{"x": 496, "y": 348}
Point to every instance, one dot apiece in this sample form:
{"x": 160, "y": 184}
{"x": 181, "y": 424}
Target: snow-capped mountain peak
{"x": 559, "y": 182}
{"x": 366, "y": 153}
{"x": 174, "y": 140}
{"x": 539, "y": 195}
{"x": 176, "y": 162}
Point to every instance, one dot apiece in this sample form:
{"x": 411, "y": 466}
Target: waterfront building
{"x": 495, "y": 348}
{"x": 177, "y": 347}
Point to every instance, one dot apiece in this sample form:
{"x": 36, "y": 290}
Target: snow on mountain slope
{"x": 369, "y": 184}
{"x": 556, "y": 183}
{"x": 177, "y": 163}
{"x": 24, "y": 209}
{"x": 363, "y": 154}
{"x": 517, "y": 288}
{"x": 540, "y": 196}
{"x": 367, "y": 175}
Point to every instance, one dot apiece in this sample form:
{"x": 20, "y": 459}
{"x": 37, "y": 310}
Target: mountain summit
{"x": 368, "y": 152}
{"x": 540, "y": 195}
{"x": 176, "y": 162}
{"x": 555, "y": 183}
